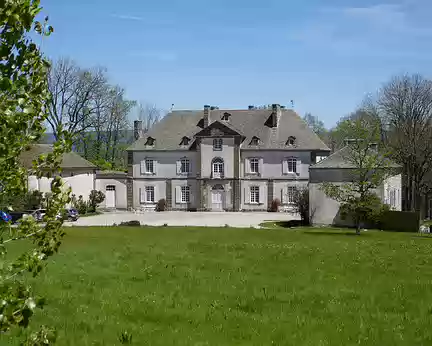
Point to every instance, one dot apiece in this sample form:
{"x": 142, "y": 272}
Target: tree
{"x": 368, "y": 167}
{"x": 405, "y": 108}
{"x": 149, "y": 114}
{"x": 315, "y": 124}
{"x": 367, "y": 113}
{"x": 23, "y": 97}
{"x": 301, "y": 204}
{"x": 73, "y": 90}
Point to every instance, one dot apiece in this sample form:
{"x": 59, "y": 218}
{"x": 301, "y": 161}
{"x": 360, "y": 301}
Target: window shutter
{"x": 142, "y": 195}
{"x": 156, "y": 192}
{"x": 246, "y": 195}
{"x": 284, "y": 195}
{"x": 260, "y": 165}
{"x": 284, "y": 166}
{"x": 191, "y": 195}
{"x": 178, "y": 194}
{"x": 143, "y": 167}
{"x": 247, "y": 166}
{"x": 299, "y": 165}
{"x": 262, "y": 198}
{"x": 190, "y": 167}
{"x": 155, "y": 167}
{"x": 178, "y": 164}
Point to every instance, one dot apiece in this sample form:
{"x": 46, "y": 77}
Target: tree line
{"x": 402, "y": 111}
{"x": 96, "y": 113}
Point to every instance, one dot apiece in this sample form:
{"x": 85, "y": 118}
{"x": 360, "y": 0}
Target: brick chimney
{"x": 138, "y": 129}
{"x": 276, "y": 112}
{"x": 206, "y": 117}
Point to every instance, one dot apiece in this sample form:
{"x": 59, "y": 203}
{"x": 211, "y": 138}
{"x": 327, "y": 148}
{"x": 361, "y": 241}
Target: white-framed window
{"x": 149, "y": 166}
{"x": 392, "y": 198}
{"x": 291, "y": 190}
{"x": 149, "y": 194}
{"x": 185, "y": 194}
{"x": 254, "y": 194}
{"x": 254, "y": 165}
{"x": 218, "y": 168}
{"x": 184, "y": 166}
{"x": 292, "y": 165}
{"x": 217, "y": 144}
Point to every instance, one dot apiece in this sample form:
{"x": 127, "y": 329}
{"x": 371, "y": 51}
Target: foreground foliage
{"x": 23, "y": 97}
{"x": 222, "y": 286}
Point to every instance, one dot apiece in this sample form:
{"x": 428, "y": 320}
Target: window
{"x": 393, "y": 198}
{"x": 149, "y": 194}
{"x": 149, "y": 166}
{"x": 254, "y": 141}
{"x": 226, "y": 116}
{"x": 184, "y": 166}
{"x": 292, "y": 165}
{"x": 291, "y": 194}
{"x": 254, "y": 165}
{"x": 254, "y": 194}
{"x": 291, "y": 141}
{"x": 185, "y": 141}
{"x": 150, "y": 141}
{"x": 217, "y": 144}
{"x": 218, "y": 168}
{"x": 185, "y": 194}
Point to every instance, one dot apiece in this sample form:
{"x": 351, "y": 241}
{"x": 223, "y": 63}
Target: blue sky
{"x": 325, "y": 55}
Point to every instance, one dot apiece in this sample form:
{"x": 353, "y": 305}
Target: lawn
{"x": 190, "y": 286}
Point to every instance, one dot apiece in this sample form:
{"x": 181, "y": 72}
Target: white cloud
{"x": 127, "y": 17}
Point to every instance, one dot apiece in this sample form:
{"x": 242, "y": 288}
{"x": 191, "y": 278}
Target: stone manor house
{"x": 215, "y": 160}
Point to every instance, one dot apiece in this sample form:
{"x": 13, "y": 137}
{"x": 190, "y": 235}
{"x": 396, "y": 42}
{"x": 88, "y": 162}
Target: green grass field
{"x": 178, "y": 286}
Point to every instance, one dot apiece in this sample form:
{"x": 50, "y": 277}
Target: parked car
{"x": 71, "y": 214}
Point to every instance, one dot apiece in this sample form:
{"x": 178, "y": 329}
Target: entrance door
{"x": 217, "y": 204}
{"x": 110, "y": 196}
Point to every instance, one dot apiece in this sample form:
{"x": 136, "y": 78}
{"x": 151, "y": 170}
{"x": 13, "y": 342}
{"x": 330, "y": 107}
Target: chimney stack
{"x": 277, "y": 112}
{"x": 138, "y": 130}
{"x": 206, "y": 115}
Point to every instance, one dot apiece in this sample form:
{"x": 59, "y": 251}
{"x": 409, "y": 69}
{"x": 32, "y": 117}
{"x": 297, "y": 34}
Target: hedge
{"x": 400, "y": 221}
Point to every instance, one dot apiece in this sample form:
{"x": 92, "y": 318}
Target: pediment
{"x": 218, "y": 129}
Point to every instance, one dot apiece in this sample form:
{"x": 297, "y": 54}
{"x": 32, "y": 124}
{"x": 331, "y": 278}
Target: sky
{"x": 326, "y": 56}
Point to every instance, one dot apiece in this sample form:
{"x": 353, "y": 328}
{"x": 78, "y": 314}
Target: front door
{"x": 217, "y": 200}
{"x": 110, "y": 197}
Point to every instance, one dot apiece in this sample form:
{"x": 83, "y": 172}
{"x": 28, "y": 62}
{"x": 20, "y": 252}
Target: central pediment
{"x": 218, "y": 129}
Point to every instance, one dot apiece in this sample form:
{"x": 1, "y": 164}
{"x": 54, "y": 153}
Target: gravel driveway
{"x": 215, "y": 219}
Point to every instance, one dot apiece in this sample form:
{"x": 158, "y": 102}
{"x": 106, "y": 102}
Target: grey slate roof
{"x": 70, "y": 160}
{"x": 338, "y": 160}
{"x": 171, "y": 129}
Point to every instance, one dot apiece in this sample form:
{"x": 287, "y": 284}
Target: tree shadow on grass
{"x": 335, "y": 233}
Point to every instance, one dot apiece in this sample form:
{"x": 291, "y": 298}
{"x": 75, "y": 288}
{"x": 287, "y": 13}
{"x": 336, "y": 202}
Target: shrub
{"x": 400, "y": 221}
{"x": 274, "y": 206}
{"x": 161, "y": 205}
{"x": 80, "y": 205}
{"x": 301, "y": 204}
{"x": 95, "y": 198}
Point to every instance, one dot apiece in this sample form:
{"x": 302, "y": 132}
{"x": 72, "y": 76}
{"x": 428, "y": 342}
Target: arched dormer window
{"x": 226, "y": 116}
{"x": 185, "y": 141}
{"x": 291, "y": 141}
{"x": 150, "y": 141}
{"x": 254, "y": 141}
{"x": 218, "y": 168}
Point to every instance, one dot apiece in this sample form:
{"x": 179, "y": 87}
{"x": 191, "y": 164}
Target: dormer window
{"x": 254, "y": 141}
{"x": 226, "y": 116}
{"x": 185, "y": 141}
{"x": 150, "y": 141}
{"x": 291, "y": 141}
{"x": 217, "y": 144}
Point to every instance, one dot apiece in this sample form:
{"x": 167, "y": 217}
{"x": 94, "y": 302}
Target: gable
{"x": 218, "y": 129}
